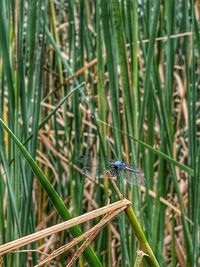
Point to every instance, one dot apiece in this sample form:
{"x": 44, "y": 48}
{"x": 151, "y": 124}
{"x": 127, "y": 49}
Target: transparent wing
{"x": 93, "y": 166}
{"x": 134, "y": 177}
{"x": 85, "y": 161}
{"x": 94, "y": 171}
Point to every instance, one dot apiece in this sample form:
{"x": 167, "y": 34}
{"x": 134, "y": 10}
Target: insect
{"x": 101, "y": 167}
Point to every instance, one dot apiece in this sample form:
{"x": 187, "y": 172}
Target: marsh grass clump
{"x": 112, "y": 79}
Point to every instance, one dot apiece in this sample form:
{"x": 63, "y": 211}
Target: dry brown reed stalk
{"x": 62, "y": 226}
{"x": 63, "y": 158}
{"x": 91, "y": 233}
{"x": 96, "y": 206}
{"x": 166, "y": 203}
{"x": 50, "y": 216}
{"x": 178, "y": 244}
{"x": 94, "y": 61}
{"x": 110, "y": 216}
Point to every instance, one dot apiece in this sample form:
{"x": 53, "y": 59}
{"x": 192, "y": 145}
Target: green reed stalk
{"x": 52, "y": 194}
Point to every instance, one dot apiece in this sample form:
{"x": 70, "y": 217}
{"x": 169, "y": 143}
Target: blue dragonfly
{"x": 105, "y": 167}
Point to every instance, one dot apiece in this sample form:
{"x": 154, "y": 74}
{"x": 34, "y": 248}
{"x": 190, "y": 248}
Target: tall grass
{"x": 117, "y": 79}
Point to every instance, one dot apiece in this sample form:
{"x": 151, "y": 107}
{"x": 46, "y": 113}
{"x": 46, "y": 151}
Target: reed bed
{"x": 110, "y": 79}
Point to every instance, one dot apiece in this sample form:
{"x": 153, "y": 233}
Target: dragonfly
{"x": 105, "y": 167}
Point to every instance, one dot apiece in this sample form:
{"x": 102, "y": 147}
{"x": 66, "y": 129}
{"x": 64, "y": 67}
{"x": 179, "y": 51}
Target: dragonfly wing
{"x": 135, "y": 178}
{"x": 94, "y": 171}
{"x": 85, "y": 161}
{"x": 94, "y": 166}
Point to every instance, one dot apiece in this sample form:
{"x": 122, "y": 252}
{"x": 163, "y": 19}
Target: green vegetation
{"x": 107, "y": 78}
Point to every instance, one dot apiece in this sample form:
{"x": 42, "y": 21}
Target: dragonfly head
{"x": 117, "y": 165}
{"x": 113, "y": 167}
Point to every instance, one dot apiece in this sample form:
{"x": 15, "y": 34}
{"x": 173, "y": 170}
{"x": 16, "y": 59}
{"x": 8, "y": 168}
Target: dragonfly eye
{"x": 113, "y": 166}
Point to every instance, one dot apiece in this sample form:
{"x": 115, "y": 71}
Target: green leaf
{"x": 53, "y": 195}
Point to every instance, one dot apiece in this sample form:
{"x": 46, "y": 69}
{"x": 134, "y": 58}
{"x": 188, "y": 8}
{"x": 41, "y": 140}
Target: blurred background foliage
{"x": 135, "y": 67}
